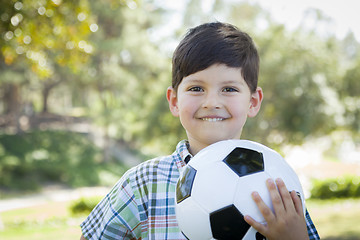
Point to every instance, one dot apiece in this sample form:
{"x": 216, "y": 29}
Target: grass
{"x": 334, "y": 219}
{"x": 48, "y": 221}
{"x": 46, "y": 232}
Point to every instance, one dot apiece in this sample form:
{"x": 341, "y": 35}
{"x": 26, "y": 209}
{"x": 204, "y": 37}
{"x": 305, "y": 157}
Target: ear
{"x": 255, "y": 102}
{"x": 173, "y": 101}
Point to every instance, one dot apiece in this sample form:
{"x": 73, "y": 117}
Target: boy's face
{"x": 213, "y": 105}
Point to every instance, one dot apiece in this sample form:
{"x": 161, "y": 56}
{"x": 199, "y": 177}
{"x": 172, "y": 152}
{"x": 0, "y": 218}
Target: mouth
{"x": 217, "y": 119}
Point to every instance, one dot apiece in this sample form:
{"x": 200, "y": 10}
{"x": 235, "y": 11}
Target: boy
{"x": 214, "y": 90}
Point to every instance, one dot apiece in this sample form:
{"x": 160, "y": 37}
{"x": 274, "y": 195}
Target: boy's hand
{"x": 287, "y": 221}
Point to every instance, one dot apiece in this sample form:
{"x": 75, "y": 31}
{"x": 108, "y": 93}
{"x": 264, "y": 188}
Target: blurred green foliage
{"x": 32, "y": 159}
{"x": 84, "y": 205}
{"x": 110, "y": 61}
{"x": 342, "y": 187}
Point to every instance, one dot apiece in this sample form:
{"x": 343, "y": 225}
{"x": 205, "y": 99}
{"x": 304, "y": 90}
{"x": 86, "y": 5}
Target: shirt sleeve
{"x": 313, "y": 234}
{"x": 116, "y": 216}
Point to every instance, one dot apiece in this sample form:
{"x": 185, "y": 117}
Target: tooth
{"x": 212, "y": 119}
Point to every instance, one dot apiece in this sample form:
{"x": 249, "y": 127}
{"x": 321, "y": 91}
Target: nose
{"x": 212, "y": 101}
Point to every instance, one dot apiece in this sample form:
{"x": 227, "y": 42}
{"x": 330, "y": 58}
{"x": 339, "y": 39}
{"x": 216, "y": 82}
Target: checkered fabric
{"x": 142, "y": 203}
{"x": 312, "y": 232}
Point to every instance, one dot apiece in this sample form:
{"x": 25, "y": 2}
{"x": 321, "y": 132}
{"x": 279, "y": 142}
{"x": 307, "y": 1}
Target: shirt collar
{"x": 182, "y": 150}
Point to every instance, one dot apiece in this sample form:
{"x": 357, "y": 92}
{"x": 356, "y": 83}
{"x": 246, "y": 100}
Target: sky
{"x": 344, "y": 13}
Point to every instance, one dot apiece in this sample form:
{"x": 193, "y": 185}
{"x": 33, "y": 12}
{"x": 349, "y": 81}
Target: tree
{"x": 45, "y": 39}
{"x": 350, "y": 96}
{"x": 300, "y": 73}
{"x": 123, "y": 75}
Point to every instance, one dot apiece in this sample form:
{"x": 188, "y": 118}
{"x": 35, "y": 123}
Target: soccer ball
{"x": 213, "y": 193}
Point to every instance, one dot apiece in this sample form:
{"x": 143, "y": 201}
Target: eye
{"x": 230, "y": 89}
{"x": 195, "y": 89}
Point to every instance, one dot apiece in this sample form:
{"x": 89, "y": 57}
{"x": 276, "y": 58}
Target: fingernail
{"x": 255, "y": 194}
{"x": 270, "y": 181}
{"x": 247, "y": 218}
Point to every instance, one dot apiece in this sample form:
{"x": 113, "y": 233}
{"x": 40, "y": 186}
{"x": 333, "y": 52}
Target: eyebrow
{"x": 193, "y": 81}
{"x": 234, "y": 82}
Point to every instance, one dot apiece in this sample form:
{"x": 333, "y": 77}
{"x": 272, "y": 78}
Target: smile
{"x": 212, "y": 119}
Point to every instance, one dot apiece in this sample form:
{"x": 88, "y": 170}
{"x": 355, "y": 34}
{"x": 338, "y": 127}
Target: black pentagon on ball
{"x": 185, "y": 183}
{"x": 228, "y": 223}
{"x": 245, "y": 161}
{"x": 259, "y": 236}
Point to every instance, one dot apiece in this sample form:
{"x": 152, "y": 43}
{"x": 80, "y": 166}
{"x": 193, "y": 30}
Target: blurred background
{"x": 82, "y": 99}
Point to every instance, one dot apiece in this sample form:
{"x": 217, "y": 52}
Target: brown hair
{"x": 216, "y": 43}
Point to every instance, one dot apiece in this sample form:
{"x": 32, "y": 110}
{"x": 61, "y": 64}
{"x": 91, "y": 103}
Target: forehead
{"x": 216, "y": 72}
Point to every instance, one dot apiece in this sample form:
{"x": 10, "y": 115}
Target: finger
{"x": 261, "y": 228}
{"x": 285, "y": 195}
{"x": 263, "y": 208}
{"x": 297, "y": 202}
{"x": 275, "y": 197}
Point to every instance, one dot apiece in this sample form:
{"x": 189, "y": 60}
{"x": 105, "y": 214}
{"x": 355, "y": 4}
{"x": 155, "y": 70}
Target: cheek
{"x": 187, "y": 106}
{"x": 239, "y": 109}
{"x": 187, "y": 112}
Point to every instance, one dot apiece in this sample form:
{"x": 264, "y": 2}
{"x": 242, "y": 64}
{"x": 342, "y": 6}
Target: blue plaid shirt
{"x": 142, "y": 203}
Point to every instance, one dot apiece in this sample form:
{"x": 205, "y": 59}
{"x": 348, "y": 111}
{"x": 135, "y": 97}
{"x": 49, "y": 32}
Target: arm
{"x": 117, "y": 211}
{"x": 287, "y": 221}
{"x": 82, "y": 237}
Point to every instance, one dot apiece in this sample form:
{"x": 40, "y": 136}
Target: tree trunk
{"x": 12, "y": 98}
{"x": 45, "y": 97}
{"x": 47, "y": 87}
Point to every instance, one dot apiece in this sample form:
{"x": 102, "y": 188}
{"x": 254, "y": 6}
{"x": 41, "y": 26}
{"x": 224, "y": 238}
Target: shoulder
{"x": 163, "y": 166}
{"x": 159, "y": 171}
{"x": 153, "y": 169}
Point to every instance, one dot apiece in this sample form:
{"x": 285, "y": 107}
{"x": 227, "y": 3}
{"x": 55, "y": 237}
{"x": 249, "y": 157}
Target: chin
{"x": 218, "y": 139}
